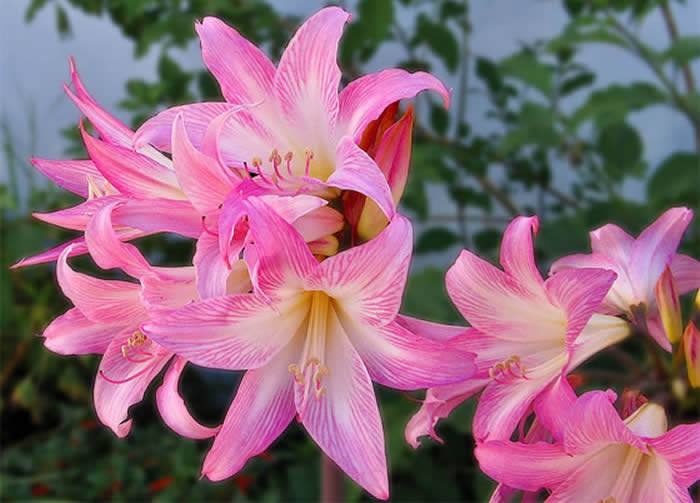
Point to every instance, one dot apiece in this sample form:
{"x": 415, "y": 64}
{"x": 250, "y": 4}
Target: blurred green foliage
{"x": 563, "y": 149}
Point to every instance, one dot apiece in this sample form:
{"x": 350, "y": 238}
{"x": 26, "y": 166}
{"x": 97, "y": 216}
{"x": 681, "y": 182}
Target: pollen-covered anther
{"x": 256, "y": 162}
{"x": 609, "y": 499}
{"x": 512, "y": 367}
{"x": 294, "y": 370}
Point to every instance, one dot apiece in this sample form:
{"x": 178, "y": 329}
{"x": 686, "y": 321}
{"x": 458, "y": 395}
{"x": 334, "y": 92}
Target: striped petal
{"x": 74, "y": 334}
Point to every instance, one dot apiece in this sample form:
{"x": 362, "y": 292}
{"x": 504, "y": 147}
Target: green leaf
{"x": 451, "y": 9}
{"x": 440, "y": 39}
{"x": 534, "y": 125}
{"x": 621, "y": 148}
{"x": 487, "y": 71}
{"x": 33, "y": 8}
{"x": 435, "y": 239}
{"x": 467, "y": 196}
{"x": 675, "y": 182}
{"x": 583, "y": 30}
{"x": 487, "y": 240}
{"x": 62, "y": 22}
{"x": 684, "y": 50}
{"x": 612, "y": 104}
{"x": 426, "y": 297}
{"x": 576, "y": 82}
{"x": 439, "y": 119}
{"x": 525, "y": 67}
{"x": 376, "y": 18}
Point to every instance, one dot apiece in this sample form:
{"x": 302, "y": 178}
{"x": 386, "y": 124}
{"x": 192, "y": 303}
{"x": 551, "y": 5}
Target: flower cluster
{"x": 290, "y": 190}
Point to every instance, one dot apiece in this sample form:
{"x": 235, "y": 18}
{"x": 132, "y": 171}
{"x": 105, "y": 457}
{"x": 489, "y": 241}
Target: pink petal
{"x": 503, "y": 404}
{"x": 77, "y": 247}
{"x": 364, "y": 99}
{"x": 429, "y": 329}
{"x": 202, "y": 178}
{"x": 168, "y": 288}
{"x": 172, "y": 407}
{"x": 579, "y": 293}
{"x": 345, "y": 421}
{"x": 235, "y": 332}
{"x": 107, "y": 249}
{"x": 655, "y": 248}
{"x": 611, "y": 241}
{"x": 367, "y": 281}
{"x": 357, "y": 171}
{"x": 525, "y": 466}
{"x": 112, "y": 400}
{"x": 148, "y": 216}
{"x": 594, "y": 423}
{"x": 158, "y": 130}
{"x": 100, "y": 300}
{"x": 398, "y": 358}
{"x": 656, "y": 329}
{"x": 681, "y": 448}
{"x": 318, "y": 223}
{"x": 212, "y": 270}
{"x": 551, "y": 406}
{"x": 438, "y": 404}
{"x": 600, "y": 332}
{"x": 307, "y": 78}
{"x": 132, "y": 173}
{"x": 260, "y": 412}
{"x": 284, "y": 259}
{"x": 496, "y": 304}
{"x": 686, "y": 272}
{"x": 73, "y": 334}
{"x": 393, "y": 156}
{"x": 77, "y": 217}
{"x": 518, "y": 254}
{"x": 244, "y": 73}
{"x": 70, "y": 175}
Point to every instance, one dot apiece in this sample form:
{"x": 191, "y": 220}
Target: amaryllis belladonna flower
{"x": 527, "y": 334}
{"x": 640, "y": 264}
{"x": 603, "y": 458}
{"x": 314, "y": 336}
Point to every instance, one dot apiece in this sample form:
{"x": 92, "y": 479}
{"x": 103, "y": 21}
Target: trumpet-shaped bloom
{"x": 602, "y": 457}
{"x": 106, "y": 319}
{"x": 144, "y": 180}
{"x": 313, "y": 338}
{"x": 527, "y": 334}
{"x": 639, "y": 264}
{"x": 297, "y": 131}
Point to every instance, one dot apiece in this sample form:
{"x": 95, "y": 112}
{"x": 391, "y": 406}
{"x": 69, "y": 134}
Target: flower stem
{"x": 331, "y": 481}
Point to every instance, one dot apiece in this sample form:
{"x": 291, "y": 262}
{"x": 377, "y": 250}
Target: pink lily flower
{"x": 144, "y": 180}
{"x": 639, "y": 264}
{"x": 602, "y": 457}
{"x": 295, "y": 116}
{"x": 527, "y": 334}
{"x": 106, "y": 319}
{"x": 312, "y": 338}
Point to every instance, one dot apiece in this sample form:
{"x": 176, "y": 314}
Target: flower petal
{"x": 78, "y": 216}
{"x": 147, "y": 216}
{"x": 202, "y": 178}
{"x": 113, "y": 399}
{"x": 579, "y": 292}
{"x": 551, "y": 404}
{"x": 518, "y": 254}
{"x": 168, "y": 288}
{"x": 398, "y": 358}
{"x": 681, "y": 448}
{"x": 357, "y": 171}
{"x": 594, "y": 423}
{"x": 132, "y": 173}
{"x": 307, "y": 78}
{"x": 686, "y": 272}
{"x": 430, "y": 329}
{"x": 367, "y": 281}
{"x": 172, "y": 407}
{"x": 243, "y": 71}
{"x": 655, "y": 248}
{"x": 525, "y": 466}
{"x": 108, "y": 251}
{"x": 235, "y": 332}
{"x": 212, "y": 271}
{"x": 73, "y": 334}
{"x": 611, "y": 241}
{"x": 70, "y": 175}
{"x": 364, "y": 99}
{"x": 158, "y": 130}
{"x": 345, "y": 421}
{"x": 260, "y": 412}
{"x": 600, "y": 332}
{"x": 100, "y": 300}
{"x": 496, "y": 304}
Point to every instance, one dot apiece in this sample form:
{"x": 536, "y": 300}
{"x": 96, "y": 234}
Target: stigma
{"x": 507, "y": 369}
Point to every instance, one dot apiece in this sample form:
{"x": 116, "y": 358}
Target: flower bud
{"x": 691, "y": 345}
{"x": 669, "y": 305}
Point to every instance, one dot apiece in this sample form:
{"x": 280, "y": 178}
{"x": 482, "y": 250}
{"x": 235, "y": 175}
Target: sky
{"x": 34, "y": 63}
